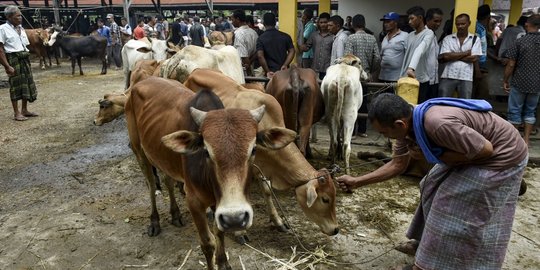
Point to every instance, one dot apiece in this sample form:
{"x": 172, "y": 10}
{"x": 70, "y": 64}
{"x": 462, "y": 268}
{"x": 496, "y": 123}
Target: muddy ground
{"x": 73, "y": 197}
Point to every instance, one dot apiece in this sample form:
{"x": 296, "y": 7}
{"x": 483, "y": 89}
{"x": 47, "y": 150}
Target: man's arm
{"x": 395, "y": 167}
{"x": 455, "y": 56}
{"x": 262, "y": 61}
{"x": 454, "y": 158}
{"x": 508, "y": 71}
{"x": 3, "y": 60}
{"x": 288, "y": 60}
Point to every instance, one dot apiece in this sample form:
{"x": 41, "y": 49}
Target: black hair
{"x": 430, "y": 13}
{"x": 269, "y": 19}
{"x": 336, "y": 19}
{"x": 240, "y": 15}
{"x": 358, "y": 21}
{"x": 416, "y": 11}
{"x": 464, "y": 15}
{"x": 309, "y": 13}
{"x": 324, "y": 15}
{"x": 249, "y": 19}
{"x": 387, "y": 108}
{"x": 483, "y": 12}
{"x": 534, "y": 20}
{"x": 100, "y": 20}
{"x": 522, "y": 20}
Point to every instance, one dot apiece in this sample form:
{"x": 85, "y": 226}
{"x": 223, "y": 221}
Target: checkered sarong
{"x": 22, "y": 85}
{"x": 465, "y": 217}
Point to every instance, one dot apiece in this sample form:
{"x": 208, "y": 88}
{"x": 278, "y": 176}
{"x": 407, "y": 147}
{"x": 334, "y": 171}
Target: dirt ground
{"x": 73, "y": 197}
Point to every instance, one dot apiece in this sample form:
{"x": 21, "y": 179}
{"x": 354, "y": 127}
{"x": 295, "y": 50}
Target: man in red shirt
{"x": 138, "y": 32}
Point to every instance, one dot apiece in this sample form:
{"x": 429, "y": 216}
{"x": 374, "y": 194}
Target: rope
{"x": 266, "y": 182}
{"x": 382, "y": 89}
{"x": 74, "y": 20}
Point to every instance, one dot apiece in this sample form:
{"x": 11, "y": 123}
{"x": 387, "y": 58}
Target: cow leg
{"x": 221, "y": 256}
{"x": 154, "y": 228}
{"x": 42, "y": 60}
{"x": 274, "y": 216}
{"x": 303, "y": 138}
{"x": 206, "y": 238}
{"x": 103, "y": 65}
{"x": 348, "y": 129}
{"x": 79, "y": 63}
{"x": 314, "y": 133}
{"x": 72, "y": 66}
{"x": 176, "y": 218}
{"x": 333, "y": 129}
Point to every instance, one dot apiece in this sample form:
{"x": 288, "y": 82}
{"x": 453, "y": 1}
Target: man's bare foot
{"x": 30, "y": 114}
{"x": 408, "y": 247}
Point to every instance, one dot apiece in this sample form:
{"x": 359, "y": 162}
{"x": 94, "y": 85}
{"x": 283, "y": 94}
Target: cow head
{"x": 229, "y": 138}
{"x": 43, "y": 36}
{"x": 352, "y": 60}
{"x": 160, "y": 49}
{"x": 56, "y": 34}
{"x": 317, "y": 198}
{"x": 110, "y": 108}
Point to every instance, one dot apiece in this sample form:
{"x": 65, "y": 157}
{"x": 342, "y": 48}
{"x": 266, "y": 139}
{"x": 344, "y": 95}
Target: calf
{"x": 38, "y": 39}
{"x": 286, "y": 168}
{"x": 77, "y": 47}
{"x": 298, "y": 93}
{"x": 209, "y": 151}
{"x": 112, "y": 105}
{"x": 343, "y": 96}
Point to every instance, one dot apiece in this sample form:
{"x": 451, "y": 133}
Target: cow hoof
{"x": 177, "y": 222}
{"x": 225, "y": 266}
{"x": 241, "y": 239}
{"x": 153, "y": 230}
{"x": 103, "y": 73}
{"x": 283, "y": 228}
{"x": 523, "y": 187}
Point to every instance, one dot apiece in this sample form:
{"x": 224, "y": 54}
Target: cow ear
{"x": 311, "y": 195}
{"x": 354, "y": 63}
{"x": 144, "y": 50}
{"x": 275, "y": 138}
{"x": 105, "y": 103}
{"x": 183, "y": 141}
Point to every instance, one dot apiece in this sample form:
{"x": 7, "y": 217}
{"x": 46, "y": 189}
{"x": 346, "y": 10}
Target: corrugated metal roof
{"x": 90, "y": 3}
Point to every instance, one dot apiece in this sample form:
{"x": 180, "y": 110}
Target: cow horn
{"x": 258, "y": 113}
{"x": 197, "y": 115}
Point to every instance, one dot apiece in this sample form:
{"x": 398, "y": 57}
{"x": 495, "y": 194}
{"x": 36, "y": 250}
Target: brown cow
{"x": 209, "y": 151}
{"x": 221, "y": 38}
{"x": 287, "y": 168}
{"x": 112, "y": 105}
{"x": 298, "y": 93}
{"x": 38, "y": 39}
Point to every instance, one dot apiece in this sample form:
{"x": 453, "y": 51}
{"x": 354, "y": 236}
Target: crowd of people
{"x": 468, "y": 199}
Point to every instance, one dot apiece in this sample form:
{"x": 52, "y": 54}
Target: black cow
{"x": 77, "y": 47}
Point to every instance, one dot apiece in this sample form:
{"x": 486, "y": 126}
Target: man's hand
{"x": 410, "y": 73}
{"x": 506, "y": 87}
{"x": 269, "y": 74}
{"x": 284, "y": 67}
{"x": 347, "y": 183}
{"x": 10, "y": 71}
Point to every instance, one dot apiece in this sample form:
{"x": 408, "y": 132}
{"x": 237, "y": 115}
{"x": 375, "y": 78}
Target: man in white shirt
{"x": 434, "y": 18}
{"x": 335, "y": 26}
{"x": 415, "y": 64}
{"x": 459, "y": 51}
{"x": 245, "y": 40}
{"x": 14, "y": 56}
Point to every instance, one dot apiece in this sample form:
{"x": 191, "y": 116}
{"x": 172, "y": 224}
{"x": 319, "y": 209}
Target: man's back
{"x": 197, "y": 35}
{"x": 364, "y": 46}
{"x": 275, "y": 45}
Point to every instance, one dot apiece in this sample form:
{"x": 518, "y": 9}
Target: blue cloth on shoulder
{"x": 432, "y": 153}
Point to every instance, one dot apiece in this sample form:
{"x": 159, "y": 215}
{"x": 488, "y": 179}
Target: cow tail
{"x": 340, "y": 92}
{"x": 290, "y": 108}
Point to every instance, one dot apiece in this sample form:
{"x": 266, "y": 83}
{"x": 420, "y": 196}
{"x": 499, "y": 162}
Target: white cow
{"x": 226, "y": 60}
{"x": 343, "y": 96}
{"x": 148, "y": 48}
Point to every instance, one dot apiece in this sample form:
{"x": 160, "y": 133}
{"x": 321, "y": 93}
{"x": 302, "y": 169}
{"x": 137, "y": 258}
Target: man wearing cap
{"x": 392, "y": 48}
{"x": 113, "y": 51}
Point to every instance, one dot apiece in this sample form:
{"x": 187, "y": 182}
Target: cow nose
{"x": 234, "y": 222}
{"x": 336, "y": 231}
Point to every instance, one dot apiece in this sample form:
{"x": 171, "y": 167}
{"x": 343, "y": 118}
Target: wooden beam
{"x": 469, "y": 7}
{"x": 516, "y": 6}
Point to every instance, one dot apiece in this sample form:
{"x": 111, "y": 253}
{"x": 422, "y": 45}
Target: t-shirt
{"x": 392, "y": 54}
{"x": 526, "y": 53}
{"x": 465, "y": 131}
{"x": 417, "y": 53}
{"x": 275, "y": 45}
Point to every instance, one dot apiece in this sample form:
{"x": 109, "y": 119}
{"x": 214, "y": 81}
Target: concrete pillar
{"x": 324, "y": 6}
{"x": 287, "y": 17}
{"x": 516, "y": 6}
{"x": 469, "y": 7}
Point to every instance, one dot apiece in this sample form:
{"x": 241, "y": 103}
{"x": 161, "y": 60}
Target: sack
{"x": 477, "y": 71}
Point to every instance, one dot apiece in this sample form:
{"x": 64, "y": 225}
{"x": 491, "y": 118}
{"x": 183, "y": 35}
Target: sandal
{"x": 20, "y": 118}
{"x": 408, "y": 247}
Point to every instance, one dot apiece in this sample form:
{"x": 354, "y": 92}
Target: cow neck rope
{"x": 383, "y": 89}
{"x": 335, "y": 169}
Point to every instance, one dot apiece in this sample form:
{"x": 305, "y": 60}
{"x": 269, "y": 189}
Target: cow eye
{"x": 325, "y": 200}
